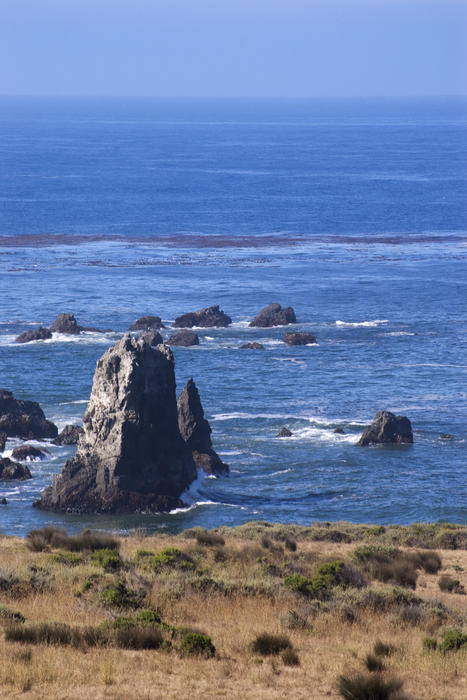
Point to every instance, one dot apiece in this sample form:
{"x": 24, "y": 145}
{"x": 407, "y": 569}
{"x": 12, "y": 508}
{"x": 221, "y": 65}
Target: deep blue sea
{"x": 352, "y": 211}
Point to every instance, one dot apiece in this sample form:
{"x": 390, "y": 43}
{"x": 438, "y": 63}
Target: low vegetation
{"x": 262, "y": 611}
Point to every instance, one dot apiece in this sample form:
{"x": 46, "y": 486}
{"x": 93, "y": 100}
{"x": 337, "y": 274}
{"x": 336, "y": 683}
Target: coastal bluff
{"x": 131, "y": 456}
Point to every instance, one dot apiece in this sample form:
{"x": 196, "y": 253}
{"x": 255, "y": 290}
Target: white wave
{"x": 247, "y": 416}
{"x": 208, "y": 337}
{"x": 67, "y": 403}
{"x": 376, "y": 322}
{"x": 240, "y": 324}
{"x": 399, "y": 333}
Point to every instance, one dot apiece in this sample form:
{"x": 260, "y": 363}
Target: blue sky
{"x": 291, "y": 48}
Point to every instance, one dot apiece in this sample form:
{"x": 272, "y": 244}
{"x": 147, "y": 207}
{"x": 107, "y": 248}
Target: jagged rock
{"x": 284, "y": 432}
{"x": 339, "y": 431}
{"x": 145, "y": 323}
{"x": 204, "y": 318}
{"x": 446, "y": 436}
{"x": 274, "y": 315}
{"x": 184, "y": 338}
{"x": 13, "y": 470}
{"x": 196, "y": 431}
{"x": 35, "y": 334}
{"x": 66, "y": 323}
{"x": 28, "y": 453}
{"x": 252, "y": 346}
{"x": 387, "y": 429}
{"x": 299, "y": 339}
{"x": 3, "y": 501}
{"x": 3, "y": 437}
{"x": 69, "y": 435}
{"x": 131, "y": 457}
{"x": 151, "y": 337}
{"x": 24, "y": 419}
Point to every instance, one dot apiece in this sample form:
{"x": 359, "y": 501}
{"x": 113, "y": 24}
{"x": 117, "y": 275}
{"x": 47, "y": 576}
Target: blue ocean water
{"x": 352, "y": 211}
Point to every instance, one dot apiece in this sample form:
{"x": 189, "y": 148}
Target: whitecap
{"x": 376, "y": 322}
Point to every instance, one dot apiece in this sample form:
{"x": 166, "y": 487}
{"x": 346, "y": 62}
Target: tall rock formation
{"x": 131, "y": 456}
{"x": 196, "y": 431}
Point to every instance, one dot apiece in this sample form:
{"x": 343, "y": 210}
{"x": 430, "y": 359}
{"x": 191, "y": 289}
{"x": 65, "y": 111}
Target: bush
{"x": 198, "y": 644}
{"x": 132, "y": 637}
{"x": 51, "y": 536}
{"x": 429, "y": 644}
{"x": 291, "y": 545}
{"x": 290, "y": 658}
{"x": 453, "y": 640}
{"x": 430, "y": 562}
{"x": 42, "y": 633}
{"x": 171, "y": 557}
{"x": 209, "y": 539}
{"x": 67, "y": 558}
{"x": 450, "y": 585}
{"x": 8, "y": 616}
{"x": 388, "y": 564}
{"x": 118, "y": 595}
{"x": 382, "y": 649}
{"x": 373, "y": 663}
{"x": 270, "y": 644}
{"x": 109, "y": 559}
{"x": 372, "y": 687}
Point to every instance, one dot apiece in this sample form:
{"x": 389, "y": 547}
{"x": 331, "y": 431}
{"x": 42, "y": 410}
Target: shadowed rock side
{"x": 284, "y": 432}
{"x": 145, "y": 323}
{"x": 204, "y": 318}
{"x": 387, "y": 429}
{"x": 299, "y": 339}
{"x": 152, "y": 337}
{"x": 40, "y": 333}
{"x": 196, "y": 431}
{"x": 184, "y": 338}
{"x": 131, "y": 456}
{"x": 10, "y": 470}
{"x": 66, "y": 323}
{"x": 3, "y": 437}
{"x": 274, "y": 315}
{"x": 69, "y": 435}
{"x": 28, "y": 453}
{"x": 24, "y": 419}
{"x": 252, "y": 346}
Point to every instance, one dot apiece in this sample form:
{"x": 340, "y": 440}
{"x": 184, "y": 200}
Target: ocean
{"x": 351, "y": 211}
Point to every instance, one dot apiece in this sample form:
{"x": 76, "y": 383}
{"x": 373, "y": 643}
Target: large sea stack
{"x": 196, "y": 431}
{"x": 131, "y": 456}
{"x": 387, "y": 429}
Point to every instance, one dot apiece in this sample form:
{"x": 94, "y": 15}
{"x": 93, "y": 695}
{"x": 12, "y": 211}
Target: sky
{"x": 233, "y": 48}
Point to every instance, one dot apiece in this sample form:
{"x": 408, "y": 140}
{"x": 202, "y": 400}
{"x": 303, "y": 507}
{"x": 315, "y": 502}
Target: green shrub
{"x": 290, "y": 658}
{"x": 67, "y": 558}
{"x": 109, "y": 559}
{"x": 118, "y": 595}
{"x": 270, "y": 644}
{"x": 369, "y": 687}
{"x": 209, "y": 539}
{"x": 453, "y": 640}
{"x": 171, "y": 557}
{"x": 148, "y": 617}
{"x": 382, "y": 649}
{"x": 429, "y": 644}
{"x": 198, "y": 644}
{"x": 388, "y": 564}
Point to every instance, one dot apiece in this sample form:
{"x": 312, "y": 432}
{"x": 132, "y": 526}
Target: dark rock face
{"x": 387, "y": 429}
{"x": 284, "y": 432}
{"x": 28, "y": 453}
{"x": 196, "y": 431}
{"x": 3, "y": 437}
{"x": 12, "y": 470}
{"x": 184, "y": 338}
{"x": 24, "y": 419}
{"x": 274, "y": 315}
{"x": 252, "y": 346}
{"x": 299, "y": 339}
{"x": 145, "y": 323}
{"x": 66, "y": 323}
{"x": 204, "y": 318}
{"x": 446, "y": 436}
{"x": 151, "y": 337}
{"x": 339, "y": 431}
{"x": 131, "y": 456}
{"x": 69, "y": 435}
{"x": 35, "y": 334}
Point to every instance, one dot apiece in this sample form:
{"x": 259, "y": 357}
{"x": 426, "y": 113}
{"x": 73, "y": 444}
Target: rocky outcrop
{"x": 299, "y": 339}
{"x": 145, "y": 323}
{"x": 196, "y": 431}
{"x": 13, "y": 470}
{"x": 184, "y": 338}
{"x": 204, "y": 318}
{"x": 66, "y": 323}
{"x": 387, "y": 429}
{"x": 284, "y": 432}
{"x": 3, "y": 437}
{"x": 252, "y": 346}
{"x": 274, "y": 315}
{"x": 131, "y": 456}
{"x": 24, "y": 419}
{"x": 151, "y": 337}
{"x": 40, "y": 333}
{"x": 69, "y": 435}
{"x": 28, "y": 453}
{"x": 339, "y": 431}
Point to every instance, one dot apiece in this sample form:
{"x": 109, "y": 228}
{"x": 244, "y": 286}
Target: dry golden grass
{"x": 327, "y": 648}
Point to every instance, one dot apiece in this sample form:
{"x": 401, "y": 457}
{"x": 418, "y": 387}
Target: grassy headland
{"x": 259, "y": 611}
